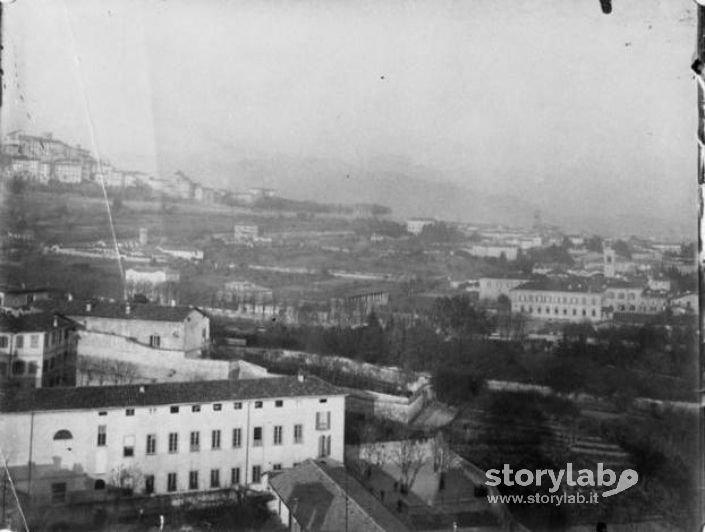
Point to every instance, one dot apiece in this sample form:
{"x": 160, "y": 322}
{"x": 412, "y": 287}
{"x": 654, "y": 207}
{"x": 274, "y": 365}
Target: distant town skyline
{"x": 581, "y": 115}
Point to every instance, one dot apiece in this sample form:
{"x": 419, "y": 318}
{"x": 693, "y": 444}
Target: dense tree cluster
{"x": 440, "y": 232}
{"x": 551, "y": 254}
{"x": 594, "y": 244}
{"x": 454, "y": 344}
{"x": 622, "y": 249}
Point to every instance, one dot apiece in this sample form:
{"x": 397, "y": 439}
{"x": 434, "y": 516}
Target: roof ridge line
{"x": 345, "y": 493}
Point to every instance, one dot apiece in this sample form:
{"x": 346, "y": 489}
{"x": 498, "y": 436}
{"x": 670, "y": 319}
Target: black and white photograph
{"x": 351, "y": 265}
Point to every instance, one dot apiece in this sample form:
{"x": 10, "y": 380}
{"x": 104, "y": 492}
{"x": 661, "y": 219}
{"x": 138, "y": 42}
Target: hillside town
{"x": 211, "y": 355}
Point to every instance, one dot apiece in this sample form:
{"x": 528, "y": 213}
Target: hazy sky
{"x": 547, "y": 99}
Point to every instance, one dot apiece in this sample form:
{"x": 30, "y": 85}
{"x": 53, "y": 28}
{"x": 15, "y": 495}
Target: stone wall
{"x": 395, "y": 407}
{"x": 407, "y": 381}
{"x": 110, "y": 359}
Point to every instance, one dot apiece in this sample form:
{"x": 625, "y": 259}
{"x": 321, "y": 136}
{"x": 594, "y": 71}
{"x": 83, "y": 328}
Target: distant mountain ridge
{"x": 411, "y": 190}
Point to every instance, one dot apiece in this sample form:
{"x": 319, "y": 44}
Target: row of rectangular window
{"x": 214, "y": 478}
{"x": 49, "y": 339}
{"x": 217, "y": 407}
{"x": 59, "y": 489}
{"x": 565, "y": 311}
{"x": 195, "y": 438}
{"x": 556, "y": 299}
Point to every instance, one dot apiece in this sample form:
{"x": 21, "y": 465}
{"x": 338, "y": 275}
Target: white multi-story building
{"x": 652, "y": 301}
{"x": 493, "y": 286}
{"x": 160, "y": 285}
{"x": 245, "y": 232}
{"x": 259, "y": 192}
{"x": 415, "y": 226}
{"x": 182, "y": 252}
{"x": 175, "y": 438}
{"x": 560, "y": 299}
{"x": 67, "y": 171}
{"x": 37, "y": 349}
{"x": 622, "y": 296}
{"x": 45, "y": 171}
{"x": 685, "y": 302}
{"x": 25, "y": 165}
{"x": 245, "y": 292}
{"x": 659, "y": 282}
{"x": 496, "y": 250}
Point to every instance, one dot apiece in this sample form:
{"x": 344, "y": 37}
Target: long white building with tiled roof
{"x": 73, "y": 445}
{"x": 560, "y": 299}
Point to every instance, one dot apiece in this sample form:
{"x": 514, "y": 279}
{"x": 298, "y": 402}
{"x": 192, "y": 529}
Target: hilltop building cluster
{"x": 42, "y": 159}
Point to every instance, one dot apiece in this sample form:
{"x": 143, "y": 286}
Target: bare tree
{"x": 125, "y": 478}
{"x": 372, "y": 451}
{"x": 410, "y": 457}
{"x": 103, "y": 370}
{"x": 518, "y": 326}
{"x": 443, "y": 458}
{"x": 124, "y": 372}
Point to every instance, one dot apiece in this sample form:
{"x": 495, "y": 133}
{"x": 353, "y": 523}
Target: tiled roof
{"x": 561, "y": 284}
{"x": 323, "y": 497}
{"x": 516, "y": 275}
{"x": 622, "y": 283}
{"x": 648, "y": 292}
{"x": 37, "y": 322}
{"x": 105, "y": 309}
{"x": 19, "y": 290}
{"x": 173, "y": 393}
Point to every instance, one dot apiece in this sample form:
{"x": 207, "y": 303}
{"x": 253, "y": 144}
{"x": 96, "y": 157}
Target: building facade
{"x": 495, "y": 251}
{"x": 25, "y": 165}
{"x": 38, "y": 350}
{"x": 158, "y": 285}
{"x": 167, "y": 328}
{"x": 244, "y": 233}
{"x": 245, "y": 292}
{"x": 415, "y": 226}
{"x": 492, "y": 287}
{"x": 66, "y": 171}
{"x": 79, "y": 445}
{"x": 622, "y": 296}
{"x": 22, "y": 296}
{"x": 564, "y": 299}
{"x": 182, "y": 252}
